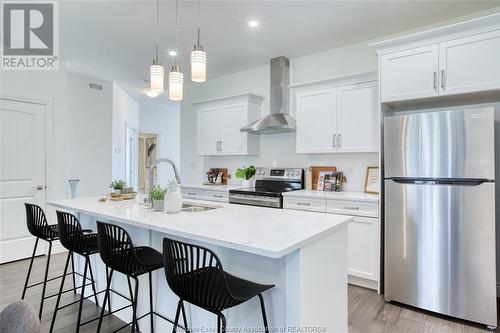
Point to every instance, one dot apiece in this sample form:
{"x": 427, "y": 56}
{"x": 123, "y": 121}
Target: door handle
{"x": 435, "y": 80}
{"x": 339, "y": 141}
{"x": 38, "y": 188}
{"x": 443, "y": 79}
{"x": 335, "y": 141}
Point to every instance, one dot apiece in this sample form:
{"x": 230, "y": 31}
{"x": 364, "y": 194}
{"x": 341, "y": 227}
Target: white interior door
{"x": 22, "y": 174}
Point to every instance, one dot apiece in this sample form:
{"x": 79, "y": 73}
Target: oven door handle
{"x": 254, "y": 198}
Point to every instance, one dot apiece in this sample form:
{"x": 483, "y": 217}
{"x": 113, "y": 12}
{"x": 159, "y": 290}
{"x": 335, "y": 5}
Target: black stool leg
{"x": 223, "y": 322}
{"x": 60, "y": 293}
{"x": 106, "y": 295}
{"x": 151, "y": 315}
{"x": 29, "y": 269}
{"x": 45, "y": 280}
{"x": 93, "y": 282}
{"x": 109, "y": 299}
{"x": 82, "y": 296}
{"x": 73, "y": 274}
{"x": 131, "y": 297}
{"x": 177, "y": 314}
{"x": 184, "y": 317}
{"x": 264, "y": 317}
{"x": 134, "y": 306}
{"x": 218, "y": 324}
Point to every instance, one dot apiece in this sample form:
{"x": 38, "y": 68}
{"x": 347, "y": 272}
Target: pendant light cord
{"x": 157, "y": 30}
{"x": 176, "y": 29}
{"x": 199, "y": 18}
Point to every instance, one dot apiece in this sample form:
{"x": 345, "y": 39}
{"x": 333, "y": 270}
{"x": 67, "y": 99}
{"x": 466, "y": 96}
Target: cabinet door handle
{"x": 191, "y": 193}
{"x": 443, "y": 79}
{"x": 217, "y": 145}
{"x": 217, "y": 196}
{"x": 335, "y": 141}
{"x": 435, "y": 80}
{"x": 351, "y": 207}
{"x": 303, "y": 203}
{"x": 339, "y": 141}
{"x": 220, "y": 145}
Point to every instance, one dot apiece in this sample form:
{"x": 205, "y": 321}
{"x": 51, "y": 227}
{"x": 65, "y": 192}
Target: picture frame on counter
{"x": 372, "y": 180}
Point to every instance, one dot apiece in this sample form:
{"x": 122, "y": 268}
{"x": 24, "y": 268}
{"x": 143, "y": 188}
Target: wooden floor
{"x": 367, "y": 310}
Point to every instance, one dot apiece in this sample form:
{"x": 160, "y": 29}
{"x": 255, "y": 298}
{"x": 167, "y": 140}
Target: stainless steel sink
{"x": 192, "y": 208}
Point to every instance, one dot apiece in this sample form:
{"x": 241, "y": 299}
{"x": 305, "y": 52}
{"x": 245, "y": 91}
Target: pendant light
{"x": 198, "y": 58}
{"x": 175, "y": 77}
{"x": 156, "y": 70}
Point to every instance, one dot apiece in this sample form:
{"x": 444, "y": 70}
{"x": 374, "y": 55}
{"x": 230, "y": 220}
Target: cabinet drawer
{"x": 205, "y": 195}
{"x": 314, "y": 205}
{"x": 193, "y": 194}
{"x": 355, "y": 208}
{"x": 217, "y": 196}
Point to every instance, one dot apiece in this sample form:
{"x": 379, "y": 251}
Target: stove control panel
{"x": 280, "y": 173}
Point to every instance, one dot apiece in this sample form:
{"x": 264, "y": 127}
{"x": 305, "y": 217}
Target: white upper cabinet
{"x": 409, "y": 74}
{"x": 316, "y": 121}
{"x": 358, "y": 129}
{"x": 462, "y": 58}
{"x": 338, "y": 119}
{"x": 208, "y": 130}
{"x": 220, "y": 121}
{"x": 470, "y": 64}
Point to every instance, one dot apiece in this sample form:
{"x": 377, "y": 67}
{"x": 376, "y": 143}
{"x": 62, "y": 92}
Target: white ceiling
{"x": 115, "y": 40}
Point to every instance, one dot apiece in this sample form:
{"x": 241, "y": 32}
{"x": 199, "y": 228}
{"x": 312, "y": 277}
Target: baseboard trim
{"x": 362, "y": 282}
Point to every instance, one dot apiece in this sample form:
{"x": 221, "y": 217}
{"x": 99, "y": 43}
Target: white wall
{"x": 78, "y": 122}
{"x": 276, "y": 149}
{"x": 125, "y": 114}
{"x": 164, "y": 120}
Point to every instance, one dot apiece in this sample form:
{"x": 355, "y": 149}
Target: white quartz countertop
{"x": 219, "y": 188}
{"x": 268, "y": 232}
{"x": 357, "y": 196}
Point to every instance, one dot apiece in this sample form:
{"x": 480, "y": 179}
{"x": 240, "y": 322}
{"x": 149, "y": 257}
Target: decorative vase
{"x": 248, "y": 182}
{"x": 173, "y": 198}
{"x": 73, "y": 184}
{"x": 158, "y": 205}
{"x": 117, "y": 191}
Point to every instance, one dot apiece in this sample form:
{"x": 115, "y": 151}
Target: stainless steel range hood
{"x": 278, "y": 121}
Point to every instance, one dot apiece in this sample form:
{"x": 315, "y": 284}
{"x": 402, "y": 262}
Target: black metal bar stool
{"x": 196, "y": 275}
{"x": 118, "y": 253}
{"x": 38, "y": 227}
{"x": 75, "y": 240}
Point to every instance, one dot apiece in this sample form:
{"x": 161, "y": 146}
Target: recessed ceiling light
{"x": 172, "y": 53}
{"x": 253, "y": 24}
{"x": 151, "y": 93}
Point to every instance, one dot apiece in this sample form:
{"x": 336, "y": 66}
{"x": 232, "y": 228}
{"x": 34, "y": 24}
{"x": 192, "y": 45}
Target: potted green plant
{"x": 246, "y": 174}
{"x": 118, "y": 185}
{"x": 158, "y": 195}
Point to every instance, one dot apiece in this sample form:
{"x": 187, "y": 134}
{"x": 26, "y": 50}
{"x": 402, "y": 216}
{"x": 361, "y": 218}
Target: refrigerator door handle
{"x": 442, "y": 181}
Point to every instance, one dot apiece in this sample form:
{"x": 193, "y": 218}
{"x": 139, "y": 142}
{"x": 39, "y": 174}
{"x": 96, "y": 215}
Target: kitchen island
{"x": 304, "y": 254}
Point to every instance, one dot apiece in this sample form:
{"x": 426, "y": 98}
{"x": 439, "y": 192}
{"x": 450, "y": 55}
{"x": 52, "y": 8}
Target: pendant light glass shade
{"x": 157, "y": 77}
{"x": 175, "y": 84}
{"x": 198, "y": 64}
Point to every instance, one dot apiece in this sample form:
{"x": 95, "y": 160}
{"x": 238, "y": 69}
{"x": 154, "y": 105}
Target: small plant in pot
{"x": 158, "y": 195}
{"x": 246, "y": 173}
{"x": 117, "y": 186}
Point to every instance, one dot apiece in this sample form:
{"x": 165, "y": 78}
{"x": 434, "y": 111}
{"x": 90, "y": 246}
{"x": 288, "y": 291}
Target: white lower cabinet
{"x": 208, "y": 195}
{"x": 363, "y": 234}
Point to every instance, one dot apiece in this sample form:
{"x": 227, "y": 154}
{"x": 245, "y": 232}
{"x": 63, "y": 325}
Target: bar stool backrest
{"x": 116, "y": 248}
{"x": 36, "y": 221}
{"x": 70, "y": 232}
{"x": 196, "y": 275}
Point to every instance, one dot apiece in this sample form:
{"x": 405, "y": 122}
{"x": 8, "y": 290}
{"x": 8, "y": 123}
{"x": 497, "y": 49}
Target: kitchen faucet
{"x": 158, "y": 161}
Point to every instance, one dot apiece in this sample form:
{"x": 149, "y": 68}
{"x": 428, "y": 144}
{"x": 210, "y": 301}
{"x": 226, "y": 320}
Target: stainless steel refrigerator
{"x": 439, "y": 203}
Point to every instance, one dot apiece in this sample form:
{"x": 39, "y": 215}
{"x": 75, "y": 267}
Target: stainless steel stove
{"x": 270, "y": 183}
